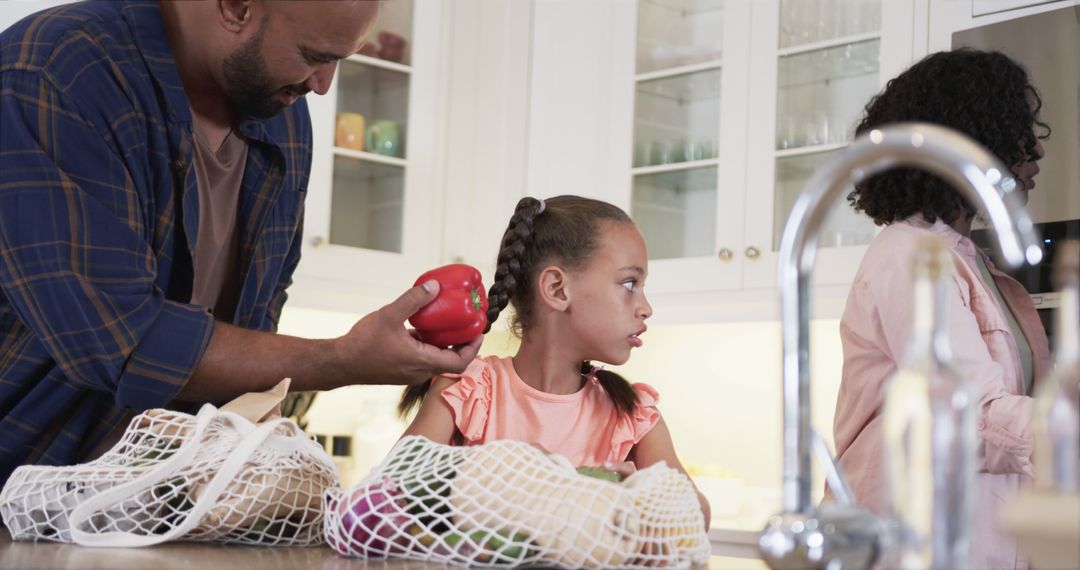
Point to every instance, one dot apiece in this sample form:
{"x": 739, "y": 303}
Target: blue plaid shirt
{"x": 98, "y": 218}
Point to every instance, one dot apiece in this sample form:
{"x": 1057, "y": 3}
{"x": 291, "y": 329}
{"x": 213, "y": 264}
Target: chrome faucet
{"x": 843, "y": 535}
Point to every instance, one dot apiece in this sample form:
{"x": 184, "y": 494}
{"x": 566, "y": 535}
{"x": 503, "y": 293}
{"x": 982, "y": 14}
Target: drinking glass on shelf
{"x": 787, "y": 23}
{"x": 816, "y": 129}
{"x": 798, "y": 24}
{"x": 870, "y": 11}
{"x": 692, "y": 149}
{"x": 708, "y": 148}
{"x": 787, "y": 134}
{"x": 838, "y": 130}
{"x": 641, "y": 154}
{"x": 824, "y": 14}
{"x": 661, "y": 152}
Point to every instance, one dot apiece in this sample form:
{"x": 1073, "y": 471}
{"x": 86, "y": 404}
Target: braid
{"x": 509, "y": 262}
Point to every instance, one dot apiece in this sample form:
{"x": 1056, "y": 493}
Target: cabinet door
{"x": 373, "y": 208}
{"x": 817, "y": 63}
{"x": 688, "y": 154}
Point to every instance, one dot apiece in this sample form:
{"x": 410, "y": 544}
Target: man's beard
{"x": 247, "y": 83}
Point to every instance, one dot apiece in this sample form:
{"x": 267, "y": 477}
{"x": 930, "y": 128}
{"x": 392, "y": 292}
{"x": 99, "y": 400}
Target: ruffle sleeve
{"x": 470, "y": 400}
{"x": 630, "y": 429}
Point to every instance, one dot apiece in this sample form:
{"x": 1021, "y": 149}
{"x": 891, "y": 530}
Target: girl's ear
{"x": 552, "y": 288}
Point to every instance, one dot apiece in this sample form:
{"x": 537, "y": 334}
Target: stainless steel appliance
{"x": 1037, "y": 279}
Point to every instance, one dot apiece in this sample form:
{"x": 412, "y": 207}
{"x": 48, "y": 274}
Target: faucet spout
{"x": 977, "y": 175}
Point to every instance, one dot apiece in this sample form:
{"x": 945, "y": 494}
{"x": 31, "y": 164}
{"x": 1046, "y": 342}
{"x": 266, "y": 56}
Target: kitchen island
{"x": 193, "y": 555}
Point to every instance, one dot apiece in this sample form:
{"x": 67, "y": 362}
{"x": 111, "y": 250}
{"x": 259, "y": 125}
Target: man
{"x": 154, "y": 161}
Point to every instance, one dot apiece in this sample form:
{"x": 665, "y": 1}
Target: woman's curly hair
{"x": 982, "y": 94}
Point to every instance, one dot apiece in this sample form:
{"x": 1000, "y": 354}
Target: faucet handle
{"x": 833, "y": 476}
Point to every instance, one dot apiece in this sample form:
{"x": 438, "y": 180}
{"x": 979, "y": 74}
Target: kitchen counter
{"x": 190, "y": 555}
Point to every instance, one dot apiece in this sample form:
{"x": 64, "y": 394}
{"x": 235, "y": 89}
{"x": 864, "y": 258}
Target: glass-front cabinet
{"x": 373, "y": 194}
{"x": 689, "y": 80}
{"x": 736, "y": 103}
{"x": 820, "y": 63}
{"x": 828, "y": 54}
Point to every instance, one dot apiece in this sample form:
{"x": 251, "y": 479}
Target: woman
{"x": 997, "y": 338}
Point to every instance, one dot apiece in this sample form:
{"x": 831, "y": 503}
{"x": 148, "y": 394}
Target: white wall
{"x": 15, "y": 10}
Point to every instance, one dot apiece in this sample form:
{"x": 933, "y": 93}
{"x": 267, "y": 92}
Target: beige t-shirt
{"x": 217, "y": 248}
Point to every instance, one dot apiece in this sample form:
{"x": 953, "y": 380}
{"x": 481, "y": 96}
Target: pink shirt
{"x": 492, "y": 402}
{"x": 874, "y": 331}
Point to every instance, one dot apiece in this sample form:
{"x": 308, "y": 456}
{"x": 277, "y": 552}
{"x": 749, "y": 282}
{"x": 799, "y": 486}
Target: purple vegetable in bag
{"x": 373, "y": 518}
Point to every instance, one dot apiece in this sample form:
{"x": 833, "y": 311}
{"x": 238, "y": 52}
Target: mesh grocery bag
{"x": 217, "y": 476}
{"x": 507, "y": 503}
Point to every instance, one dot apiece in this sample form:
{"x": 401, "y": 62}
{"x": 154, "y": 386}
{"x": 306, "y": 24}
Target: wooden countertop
{"x": 193, "y": 555}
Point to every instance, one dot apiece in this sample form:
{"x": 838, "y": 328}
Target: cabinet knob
{"x": 458, "y": 259}
{"x": 752, "y": 252}
{"x": 725, "y": 254}
{"x": 318, "y": 241}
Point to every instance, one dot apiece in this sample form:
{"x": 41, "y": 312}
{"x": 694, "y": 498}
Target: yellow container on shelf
{"x": 350, "y": 131}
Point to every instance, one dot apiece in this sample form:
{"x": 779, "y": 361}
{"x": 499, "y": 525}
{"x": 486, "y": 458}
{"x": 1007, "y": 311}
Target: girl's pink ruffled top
{"x": 490, "y": 402}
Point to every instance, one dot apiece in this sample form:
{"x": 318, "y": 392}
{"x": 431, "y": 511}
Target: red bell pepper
{"x": 459, "y": 313}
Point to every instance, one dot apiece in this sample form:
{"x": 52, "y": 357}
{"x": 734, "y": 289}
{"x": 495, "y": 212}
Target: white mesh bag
{"x": 507, "y": 503}
{"x": 217, "y": 476}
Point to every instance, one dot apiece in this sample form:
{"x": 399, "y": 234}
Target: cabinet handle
{"x": 752, "y": 252}
{"x": 725, "y": 254}
{"x": 318, "y": 241}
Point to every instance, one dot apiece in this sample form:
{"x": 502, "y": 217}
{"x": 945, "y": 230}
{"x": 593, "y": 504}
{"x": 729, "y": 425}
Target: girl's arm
{"x": 657, "y": 446}
{"x": 435, "y": 420}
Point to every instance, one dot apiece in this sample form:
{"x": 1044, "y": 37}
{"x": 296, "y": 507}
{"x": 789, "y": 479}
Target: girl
{"x": 574, "y": 270}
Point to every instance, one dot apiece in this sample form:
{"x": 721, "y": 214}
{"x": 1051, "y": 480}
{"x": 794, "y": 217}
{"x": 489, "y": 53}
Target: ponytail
{"x": 620, "y": 391}
{"x": 411, "y": 397}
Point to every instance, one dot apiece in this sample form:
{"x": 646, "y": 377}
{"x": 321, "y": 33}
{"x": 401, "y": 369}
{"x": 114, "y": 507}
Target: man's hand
{"x": 380, "y": 350}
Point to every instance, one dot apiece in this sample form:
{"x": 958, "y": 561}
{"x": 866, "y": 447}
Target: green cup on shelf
{"x": 383, "y": 137}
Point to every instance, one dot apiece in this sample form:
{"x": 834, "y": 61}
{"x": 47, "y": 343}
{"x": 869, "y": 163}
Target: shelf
{"x": 826, "y": 44}
{"x": 809, "y": 149}
{"x": 688, "y": 7}
{"x": 380, "y": 63}
{"x": 700, "y": 83}
{"x": 637, "y": 206}
{"x": 370, "y": 157}
{"x": 674, "y": 166}
{"x": 826, "y": 65}
{"x": 664, "y": 186}
{"x": 679, "y": 70}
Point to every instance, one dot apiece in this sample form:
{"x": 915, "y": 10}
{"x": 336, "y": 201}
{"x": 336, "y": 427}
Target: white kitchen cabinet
{"x": 817, "y": 64}
{"x": 374, "y": 223}
{"x": 778, "y": 85}
{"x": 374, "y": 203}
{"x": 702, "y": 118}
